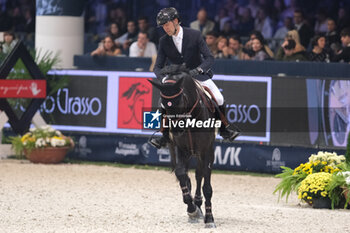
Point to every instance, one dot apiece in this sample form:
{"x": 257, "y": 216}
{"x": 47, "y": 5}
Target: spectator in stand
{"x": 343, "y": 18}
{"x": 291, "y": 6}
{"x": 253, "y": 6}
{"x": 282, "y": 32}
{"x": 319, "y": 52}
{"x": 222, "y": 18}
{"x": 144, "y": 26}
{"x": 142, "y": 47}
{"x": 9, "y": 42}
{"x": 246, "y": 22}
{"x": 113, "y": 31}
{"x": 121, "y": 19}
{"x": 263, "y": 23}
{"x": 96, "y": 17}
{"x": 248, "y": 46}
{"x": 109, "y": 48}
{"x": 234, "y": 49}
{"x": 291, "y": 35}
{"x": 290, "y": 54}
{"x": 17, "y": 18}
{"x": 332, "y": 36}
{"x": 6, "y": 21}
{"x": 259, "y": 50}
{"x": 202, "y": 23}
{"x": 276, "y": 13}
{"x": 344, "y": 54}
{"x": 128, "y": 38}
{"x": 221, "y": 44}
{"x": 304, "y": 30}
{"x": 321, "y": 22}
{"x": 210, "y": 39}
{"x": 29, "y": 19}
{"x": 227, "y": 30}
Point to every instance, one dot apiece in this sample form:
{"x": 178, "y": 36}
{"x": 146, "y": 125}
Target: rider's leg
{"x": 220, "y": 112}
{"x": 164, "y": 139}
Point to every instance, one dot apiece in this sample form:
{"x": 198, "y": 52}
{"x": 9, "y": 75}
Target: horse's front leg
{"x": 181, "y": 168}
{"x": 208, "y": 191}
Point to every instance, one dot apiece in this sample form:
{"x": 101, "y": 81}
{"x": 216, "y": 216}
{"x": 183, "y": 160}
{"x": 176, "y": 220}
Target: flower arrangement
{"x": 42, "y": 137}
{"x": 321, "y": 162}
{"x": 314, "y": 186}
{"x": 339, "y": 185}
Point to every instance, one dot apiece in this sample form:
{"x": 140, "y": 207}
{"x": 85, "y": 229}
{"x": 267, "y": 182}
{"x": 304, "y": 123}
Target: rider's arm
{"x": 208, "y": 58}
{"x": 161, "y": 59}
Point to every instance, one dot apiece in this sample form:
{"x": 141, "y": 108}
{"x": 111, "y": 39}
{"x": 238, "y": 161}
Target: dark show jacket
{"x": 195, "y": 53}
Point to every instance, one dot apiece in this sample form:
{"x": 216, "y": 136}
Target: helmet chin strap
{"x": 175, "y": 31}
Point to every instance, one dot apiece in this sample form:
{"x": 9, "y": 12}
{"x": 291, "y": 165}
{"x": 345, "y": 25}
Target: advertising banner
{"x": 283, "y": 111}
{"x": 248, "y": 103}
{"x": 227, "y": 156}
{"x": 83, "y": 102}
{"x": 135, "y": 94}
{"x": 22, "y": 88}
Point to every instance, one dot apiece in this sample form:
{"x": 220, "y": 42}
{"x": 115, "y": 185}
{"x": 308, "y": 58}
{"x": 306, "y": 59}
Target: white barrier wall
{"x": 60, "y": 29}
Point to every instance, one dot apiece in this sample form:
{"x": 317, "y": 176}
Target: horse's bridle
{"x": 178, "y": 94}
{"x": 185, "y": 114}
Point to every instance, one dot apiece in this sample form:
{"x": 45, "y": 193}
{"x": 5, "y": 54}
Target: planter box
{"x": 50, "y": 155}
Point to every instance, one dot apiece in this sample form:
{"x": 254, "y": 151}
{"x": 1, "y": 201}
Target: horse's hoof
{"x": 195, "y": 216}
{"x": 210, "y": 225}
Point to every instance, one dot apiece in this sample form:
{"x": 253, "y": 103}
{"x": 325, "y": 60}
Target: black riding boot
{"x": 162, "y": 141}
{"x": 225, "y": 131}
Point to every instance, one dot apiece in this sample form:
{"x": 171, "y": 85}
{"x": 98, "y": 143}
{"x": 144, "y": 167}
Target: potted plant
{"x": 320, "y": 162}
{"x": 339, "y": 187}
{"x": 313, "y": 190}
{"x": 42, "y": 145}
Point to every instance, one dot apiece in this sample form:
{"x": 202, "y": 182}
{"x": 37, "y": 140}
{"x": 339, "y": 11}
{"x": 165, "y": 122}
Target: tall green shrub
{"x": 347, "y": 154}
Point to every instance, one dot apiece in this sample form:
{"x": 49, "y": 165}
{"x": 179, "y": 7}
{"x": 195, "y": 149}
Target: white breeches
{"x": 214, "y": 89}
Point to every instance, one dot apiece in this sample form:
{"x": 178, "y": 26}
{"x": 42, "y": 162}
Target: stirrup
{"x": 158, "y": 142}
{"x": 229, "y": 134}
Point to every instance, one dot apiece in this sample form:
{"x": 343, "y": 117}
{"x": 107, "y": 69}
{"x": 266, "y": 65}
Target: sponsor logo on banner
{"x": 135, "y": 94}
{"x": 126, "y": 149}
{"x": 246, "y": 109}
{"x": 82, "y": 103}
{"x": 145, "y": 149}
{"x": 151, "y": 120}
{"x": 82, "y": 147}
{"x": 228, "y": 157}
{"x": 275, "y": 163}
{"x": 164, "y": 155}
{"x": 22, "y": 88}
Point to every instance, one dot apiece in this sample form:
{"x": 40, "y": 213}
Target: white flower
{"x": 347, "y": 180}
{"x": 58, "y": 133}
{"x": 57, "y": 142}
{"x": 40, "y": 142}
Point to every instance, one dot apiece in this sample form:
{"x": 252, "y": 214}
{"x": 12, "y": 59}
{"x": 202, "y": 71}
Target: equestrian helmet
{"x": 167, "y": 14}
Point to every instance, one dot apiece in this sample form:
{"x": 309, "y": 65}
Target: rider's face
{"x": 169, "y": 28}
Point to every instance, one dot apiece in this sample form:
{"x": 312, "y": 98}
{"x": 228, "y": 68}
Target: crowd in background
{"x": 288, "y": 30}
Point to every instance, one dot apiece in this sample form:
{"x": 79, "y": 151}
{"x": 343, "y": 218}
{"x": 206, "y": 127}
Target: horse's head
{"x": 173, "y": 88}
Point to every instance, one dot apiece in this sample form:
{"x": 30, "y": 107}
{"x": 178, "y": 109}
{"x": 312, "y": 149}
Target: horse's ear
{"x": 155, "y": 83}
{"x": 179, "y": 82}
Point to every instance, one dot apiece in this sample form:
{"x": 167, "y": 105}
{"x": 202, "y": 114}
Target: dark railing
{"x": 225, "y": 66}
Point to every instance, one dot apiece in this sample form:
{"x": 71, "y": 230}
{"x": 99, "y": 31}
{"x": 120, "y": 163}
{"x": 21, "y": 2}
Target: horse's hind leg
{"x": 198, "y": 199}
{"x": 208, "y": 192}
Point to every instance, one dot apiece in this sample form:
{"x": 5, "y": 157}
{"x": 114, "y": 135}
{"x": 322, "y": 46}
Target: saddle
{"x": 206, "y": 96}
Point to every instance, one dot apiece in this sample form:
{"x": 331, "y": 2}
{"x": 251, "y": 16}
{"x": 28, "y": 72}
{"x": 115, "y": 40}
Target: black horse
{"x": 184, "y": 101}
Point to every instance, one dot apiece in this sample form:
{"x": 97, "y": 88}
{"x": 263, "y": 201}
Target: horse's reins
{"x": 199, "y": 97}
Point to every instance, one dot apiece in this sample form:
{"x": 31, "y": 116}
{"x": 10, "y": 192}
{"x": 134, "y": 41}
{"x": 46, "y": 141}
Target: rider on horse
{"x": 183, "y": 45}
